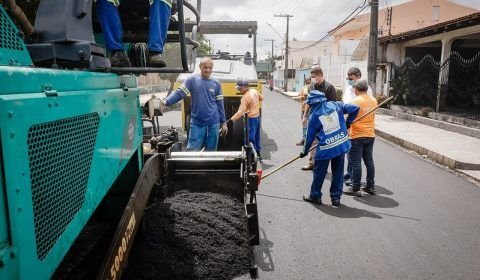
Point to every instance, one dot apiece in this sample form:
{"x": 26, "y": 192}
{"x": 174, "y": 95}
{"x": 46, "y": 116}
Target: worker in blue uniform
{"x": 107, "y": 11}
{"x": 327, "y": 124}
{"x": 208, "y": 111}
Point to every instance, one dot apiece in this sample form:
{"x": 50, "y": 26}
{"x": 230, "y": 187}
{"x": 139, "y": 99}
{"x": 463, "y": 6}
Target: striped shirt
{"x": 207, "y": 99}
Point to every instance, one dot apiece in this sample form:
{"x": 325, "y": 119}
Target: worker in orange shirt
{"x": 362, "y": 136}
{"x": 250, "y": 104}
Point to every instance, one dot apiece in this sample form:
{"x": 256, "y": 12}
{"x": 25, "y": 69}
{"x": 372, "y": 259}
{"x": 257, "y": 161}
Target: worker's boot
{"x": 119, "y": 59}
{"x": 155, "y": 60}
{"x": 307, "y": 167}
{"x": 310, "y": 199}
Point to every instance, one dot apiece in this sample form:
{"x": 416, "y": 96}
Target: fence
{"x": 416, "y": 84}
{"x": 458, "y": 94}
{"x": 460, "y": 87}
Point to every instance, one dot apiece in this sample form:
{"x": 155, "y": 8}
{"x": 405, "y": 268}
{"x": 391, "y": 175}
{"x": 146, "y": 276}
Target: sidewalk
{"x": 454, "y": 150}
{"x": 451, "y": 149}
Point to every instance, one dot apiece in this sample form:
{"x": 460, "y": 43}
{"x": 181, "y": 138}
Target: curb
{"x": 283, "y": 93}
{"x": 441, "y": 159}
{"x": 469, "y": 175}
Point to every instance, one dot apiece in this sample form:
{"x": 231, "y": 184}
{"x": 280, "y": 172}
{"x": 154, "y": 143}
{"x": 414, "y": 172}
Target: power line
{"x": 312, "y": 15}
{"x": 296, "y": 5}
{"x": 288, "y": 5}
{"x": 276, "y": 32}
{"x": 354, "y": 13}
{"x": 281, "y": 11}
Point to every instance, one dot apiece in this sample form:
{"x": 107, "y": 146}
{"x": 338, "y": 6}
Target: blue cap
{"x": 242, "y": 83}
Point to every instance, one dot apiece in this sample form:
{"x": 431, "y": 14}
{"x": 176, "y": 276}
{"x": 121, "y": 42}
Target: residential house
{"x": 435, "y": 67}
{"x": 302, "y": 54}
{"x": 350, "y": 40}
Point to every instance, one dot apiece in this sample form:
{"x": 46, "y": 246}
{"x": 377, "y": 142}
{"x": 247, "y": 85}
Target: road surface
{"x": 424, "y": 222}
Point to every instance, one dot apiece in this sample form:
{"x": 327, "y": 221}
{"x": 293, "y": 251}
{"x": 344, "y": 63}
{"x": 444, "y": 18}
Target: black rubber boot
{"x": 119, "y": 59}
{"x": 155, "y": 60}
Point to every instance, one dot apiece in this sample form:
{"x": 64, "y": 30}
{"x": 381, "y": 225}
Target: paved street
{"x": 423, "y": 224}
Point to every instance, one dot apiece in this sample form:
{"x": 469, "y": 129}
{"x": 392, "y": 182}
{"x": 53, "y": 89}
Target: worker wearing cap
{"x": 250, "y": 104}
{"x": 208, "y": 111}
{"x": 107, "y": 11}
{"x": 327, "y": 125}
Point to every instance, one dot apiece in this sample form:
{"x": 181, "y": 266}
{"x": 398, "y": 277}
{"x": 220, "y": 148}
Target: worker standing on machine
{"x": 107, "y": 11}
{"x": 250, "y": 104}
{"x": 208, "y": 111}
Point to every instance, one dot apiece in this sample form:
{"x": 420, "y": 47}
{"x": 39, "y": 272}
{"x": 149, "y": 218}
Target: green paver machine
{"x": 73, "y": 177}
{"x": 70, "y": 133}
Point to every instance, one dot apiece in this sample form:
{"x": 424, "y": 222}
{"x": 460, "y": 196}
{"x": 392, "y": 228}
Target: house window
{"x": 435, "y": 13}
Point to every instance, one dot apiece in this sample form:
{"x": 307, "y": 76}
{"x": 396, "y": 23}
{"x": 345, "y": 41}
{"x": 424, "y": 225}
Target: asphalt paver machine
{"x": 74, "y": 179}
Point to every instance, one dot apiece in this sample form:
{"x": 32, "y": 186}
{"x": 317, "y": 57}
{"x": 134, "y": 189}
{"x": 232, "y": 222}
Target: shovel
{"x": 315, "y": 146}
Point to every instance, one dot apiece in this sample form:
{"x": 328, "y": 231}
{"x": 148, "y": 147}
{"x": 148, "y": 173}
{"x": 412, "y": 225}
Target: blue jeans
{"x": 203, "y": 136}
{"x": 362, "y": 148}
{"x": 254, "y": 133}
{"x": 109, "y": 19}
{"x": 320, "y": 170}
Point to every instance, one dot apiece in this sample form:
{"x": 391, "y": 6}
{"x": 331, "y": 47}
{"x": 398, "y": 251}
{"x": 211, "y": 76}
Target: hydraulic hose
{"x": 18, "y": 14}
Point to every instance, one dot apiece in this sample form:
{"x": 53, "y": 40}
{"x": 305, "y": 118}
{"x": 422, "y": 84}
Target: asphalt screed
{"x": 191, "y": 235}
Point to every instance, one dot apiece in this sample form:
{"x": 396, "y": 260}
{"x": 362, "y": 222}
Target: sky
{"x": 311, "y": 20}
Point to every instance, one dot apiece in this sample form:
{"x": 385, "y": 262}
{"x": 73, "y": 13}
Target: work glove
{"x": 224, "y": 129}
{"x": 155, "y": 107}
{"x": 303, "y": 154}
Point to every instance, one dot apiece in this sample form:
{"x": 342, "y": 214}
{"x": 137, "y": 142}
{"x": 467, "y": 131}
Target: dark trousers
{"x": 320, "y": 170}
{"x": 348, "y": 175}
{"x": 362, "y": 148}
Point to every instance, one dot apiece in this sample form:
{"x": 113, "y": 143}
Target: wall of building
{"x": 403, "y": 19}
{"x": 300, "y": 75}
{"x": 152, "y": 83}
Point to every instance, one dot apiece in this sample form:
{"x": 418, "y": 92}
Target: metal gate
{"x": 458, "y": 94}
{"x": 460, "y": 87}
{"x": 416, "y": 84}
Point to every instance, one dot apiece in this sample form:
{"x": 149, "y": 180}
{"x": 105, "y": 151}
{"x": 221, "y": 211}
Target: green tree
{"x": 205, "y": 47}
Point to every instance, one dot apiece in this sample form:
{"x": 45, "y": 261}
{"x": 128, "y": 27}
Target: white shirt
{"x": 349, "y": 93}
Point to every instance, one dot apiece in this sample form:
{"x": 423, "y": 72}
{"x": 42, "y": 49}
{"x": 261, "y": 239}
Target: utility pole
{"x": 372, "y": 46}
{"x": 271, "y": 56}
{"x": 285, "y": 84}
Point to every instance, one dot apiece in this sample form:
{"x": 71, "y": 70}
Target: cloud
{"x": 311, "y": 19}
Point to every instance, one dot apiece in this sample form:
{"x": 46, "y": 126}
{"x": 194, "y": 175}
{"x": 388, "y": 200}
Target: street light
{"x": 276, "y": 32}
